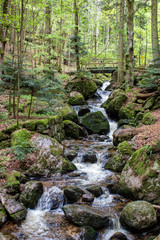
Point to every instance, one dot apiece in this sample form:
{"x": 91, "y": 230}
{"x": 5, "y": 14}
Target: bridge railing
{"x": 99, "y": 63}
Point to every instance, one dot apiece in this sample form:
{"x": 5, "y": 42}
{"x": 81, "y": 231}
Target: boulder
{"x": 89, "y": 157}
{"x": 118, "y": 236}
{"x": 140, "y": 176}
{"x": 86, "y": 216}
{"x": 4, "y": 144}
{"x": 31, "y": 194}
{"x": 3, "y": 136}
{"x": 68, "y": 113}
{"x": 148, "y": 119}
{"x": 115, "y": 101}
{"x": 87, "y": 198}
{"x": 70, "y": 154}
{"x": 73, "y": 130}
{"x": 121, "y": 135}
{"x": 16, "y": 210}
{"x": 3, "y": 215}
{"x": 88, "y": 233}
{"x": 95, "y": 190}
{"x": 75, "y": 98}
{"x": 138, "y": 215}
{"x": 73, "y": 194}
{"x": 21, "y": 137}
{"x": 86, "y": 87}
{"x": 119, "y": 159}
{"x": 12, "y": 182}
{"x": 95, "y": 122}
{"x": 83, "y": 110}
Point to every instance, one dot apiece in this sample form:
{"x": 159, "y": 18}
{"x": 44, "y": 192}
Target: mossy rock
{"x": 3, "y": 215}
{"x": 115, "y": 102}
{"x": 138, "y": 216}
{"x": 121, "y": 135}
{"x": 73, "y": 193}
{"x": 21, "y": 137}
{"x": 95, "y": 190}
{"x": 149, "y": 103}
{"x": 75, "y": 98}
{"x": 148, "y": 119}
{"x": 3, "y": 136}
{"x": 95, "y": 122}
{"x": 30, "y": 125}
{"x": 73, "y": 130}
{"x": 127, "y": 112}
{"x": 12, "y": 183}
{"x": 4, "y": 144}
{"x": 86, "y": 87}
{"x": 88, "y": 233}
{"x": 12, "y": 128}
{"x": 42, "y": 126}
{"x": 67, "y": 166}
{"x": 68, "y": 113}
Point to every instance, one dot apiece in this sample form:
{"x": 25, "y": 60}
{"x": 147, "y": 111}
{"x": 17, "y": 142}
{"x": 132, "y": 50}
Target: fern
{"x": 22, "y": 150}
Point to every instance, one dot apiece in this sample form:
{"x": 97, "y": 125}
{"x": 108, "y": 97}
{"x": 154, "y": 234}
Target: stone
{"x": 148, "y": 119}
{"x": 67, "y": 166}
{"x": 73, "y": 194}
{"x": 88, "y": 233}
{"x": 30, "y": 125}
{"x": 86, "y": 87}
{"x": 90, "y": 157}
{"x": 31, "y": 194}
{"x": 75, "y": 98}
{"x": 95, "y": 190}
{"x": 87, "y": 198}
{"x": 118, "y": 236}
{"x": 3, "y": 136}
{"x": 121, "y": 135}
{"x": 95, "y": 122}
{"x": 70, "y": 154}
{"x": 21, "y": 137}
{"x": 149, "y": 103}
{"x": 12, "y": 183}
{"x": 138, "y": 215}
{"x": 68, "y": 113}
{"x": 73, "y": 130}
{"x": 83, "y": 110}
{"x": 86, "y": 216}
{"x": 3, "y": 215}
{"x": 4, "y": 144}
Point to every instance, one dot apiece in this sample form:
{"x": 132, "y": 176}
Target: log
{"x": 147, "y": 95}
{"x": 157, "y": 207}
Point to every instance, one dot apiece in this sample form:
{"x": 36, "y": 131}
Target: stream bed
{"x": 43, "y": 223}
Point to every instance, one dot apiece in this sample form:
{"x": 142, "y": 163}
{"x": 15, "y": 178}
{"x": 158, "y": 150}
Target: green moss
{"x": 30, "y": 125}
{"x": 72, "y": 129}
{"x": 20, "y": 137}
{"x": 67, "y": 166}
{"x": 56, "y": 149}
{"x": 19, "y": 216}
{"x": 149, "y": 103}
{"x": 127, "y": 112}
{"x": 3, "y": 136}
{"x": 148, "y": 119}
{"x": 125, "y": 148}
{"x": 4, "y": 144}
{"x": 75, "y": 98}
{"x": 12, "y": 128}
{"x": 12, "y": 183}
{"x": 68, "y": 113}
{"x": 42, "y": 124}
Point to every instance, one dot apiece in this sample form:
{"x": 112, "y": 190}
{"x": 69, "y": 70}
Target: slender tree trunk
{"x": 76, "y": 10}
{"x": 154, "y": 28}
{"x": 48, "y": 30}
{"x": 121, "y": 45}
{"x": 146, "y": 48}
{"x": 61, "y": 41}
{"x": 130, "y": 48}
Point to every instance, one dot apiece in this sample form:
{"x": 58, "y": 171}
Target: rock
{"x": 140, "y": 176}
{"x": 42, "y": 126}
{"x": 16, "y": 210}
{"x": 75, "y": 98}
{"x": 148, "y": 119}
{"x": 85, "y": 216}
{"x": 115, "y": 102}
{"x": 30, "y": 125}
{"x": 31, "y": 194}
{"x": 89, "y": 157}
{"x": 119, "y": 159}
{"x": 88, "y": 233}
{"x": 3, "y": 215}
{"x": 3, "y": 136}
{"x": 129, "y": 111}
{"x": 138, "y": 215}
{"x": 68, "y": 113}
{"x": 87, "y": 198}
{"x": 21, "y": 137}
{"x": 86, "y": 87}
{"x": 118, "y": 236}
{"x": 83, "y": 110}
{"x": 121, "y": 135}
{"x": 73, "y": 130}
{"x": 5, "y": 144}
{"x": 12, "y": 182}
{"x": 70, "y": 154}
{"x": 95, "y": 122}
{"x": 149, "y": 103}
{"x": 73, "y": 194}
{"x": 67, "y": 166}
{"x": 11, "y": 129}
{"x": 95, "y": 190}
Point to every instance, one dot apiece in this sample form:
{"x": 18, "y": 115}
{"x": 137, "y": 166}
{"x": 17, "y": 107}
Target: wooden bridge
{"x": 107, "y": 65}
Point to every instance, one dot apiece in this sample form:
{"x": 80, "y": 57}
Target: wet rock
{"x": 68, "y": 113}
{"x": 73, "y": 194}
{"x": 87, "y": 198}
{"x": 95, "y": 122}
{"x": 83, "y": 110}
{"x": 75, "y": 98}
{"x": 118, "y": 236}
{"x": 88, "y": 233}
{"x": 73, "y": 130}
{"x": 121, "y": 135}
{"x": 95, "y": 190}
{"x": 31, "y": 194}
{"x": 138, "y": 215}
{"x": 86, "y": 87}
{"x": 113, "y": 187}
{"x": 89, "y": 157}
{"x": 86, "y": 216}
{"x": 16, "y": 210}
{"x": 70, "y": 154}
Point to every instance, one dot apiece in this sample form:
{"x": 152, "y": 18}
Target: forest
{"x": 79, "y": 120}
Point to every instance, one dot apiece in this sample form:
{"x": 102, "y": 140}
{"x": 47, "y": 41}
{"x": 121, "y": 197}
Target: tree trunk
{"x": 121, "y": 44}
{"x": 48, "y": 30}
{"x": 76, "y": 9}
{"x": 154, "y": 28}
{"x": 130, "y": 48}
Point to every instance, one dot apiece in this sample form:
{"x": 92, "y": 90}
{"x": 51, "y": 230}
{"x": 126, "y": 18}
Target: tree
{"x": 76, "y": 33}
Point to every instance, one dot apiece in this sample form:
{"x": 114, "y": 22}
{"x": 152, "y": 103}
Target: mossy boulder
{"x": 68, "y": 113}
{"x": 42, "y": 126}
{"x": 140, "y": 176}
{"x": 3, "y": 136}
{"x": 86, "y": 87}
{"x": 149, "y": 103}
{"x": 31, "y": 193}
{"x": 73, "y": 194}
{"x": 115, "y": 102}
{"x": 129, "y": 111}
{"x": 21, "y": 137}
{"x": 30, "y": 125}
{"x": 95, "y": 190}
{"x": 85, "y": 216}
{"x": 138, "y": 215}
{"x": 73, "y": 130}
{"x": 4, "y": 144}
{"x": 95, "y": 122}
{"x": 118, "y": 161}
{"x": 3, "y": 215}
{"x": 67, "y": 166}
{"x": 148, "y": 119}
{"x": 12, "y": 183}
{"x": 88, "y": 233}
{"x": 75, "y": 98}
{"x": 121, "y": 135}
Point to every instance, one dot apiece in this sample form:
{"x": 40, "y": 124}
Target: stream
{"x": 46, "y": 222}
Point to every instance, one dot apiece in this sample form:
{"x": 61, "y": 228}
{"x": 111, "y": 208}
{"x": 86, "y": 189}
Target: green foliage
{"x": 82, "y": 74}
{"x": 148, "y": 150}
{"x": 23, "y": 149}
